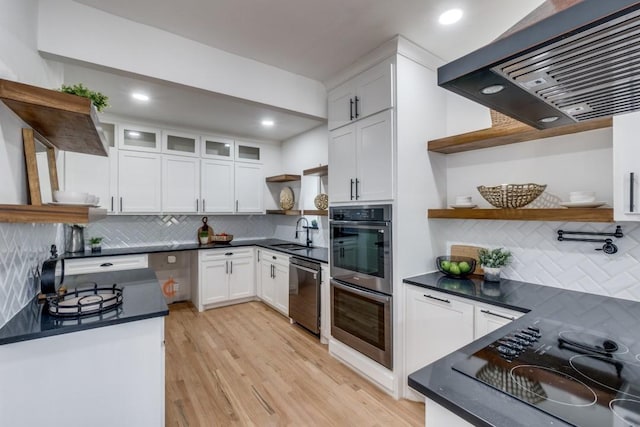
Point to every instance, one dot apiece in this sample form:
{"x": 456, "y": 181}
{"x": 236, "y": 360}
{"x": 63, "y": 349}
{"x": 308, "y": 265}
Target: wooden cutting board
{"x": 468, "y": 251}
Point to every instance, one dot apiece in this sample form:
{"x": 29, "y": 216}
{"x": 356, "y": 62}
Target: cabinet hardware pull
{"x": 350, "y": 108}
{"x": 106, "y": 264}
{"x": 111, "y": 203}
{"x": 274, "y": 257}
{"x": 438, "y": 299}
{"x": 258, "y": 256}
{"x": 197, "y": 205}
{"x": 231, "y": 268}
{"x": 357, "y": 114}
{"x": 273, "y": 274}
{"x": 226, "y": 267}
{"x": 631, "y": 204}
{"x": 341, "y": 252}
{"x": 204, "y": 209}
{"x": 236, "y": 206}
{"x": 120, "y": 204}
{"x": 229, "y": 253}
{"x": 497, "y": 315}
{"x": 357, "y": 182}
{"x": 351, "y": 190}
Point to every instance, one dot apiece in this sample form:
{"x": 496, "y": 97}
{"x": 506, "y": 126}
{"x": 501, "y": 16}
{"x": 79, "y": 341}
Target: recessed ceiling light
{"x": 449, "y": 17}
{"x": 549, "y": 119}
{"x": 268, "y": 123}
{"x": 140, "y": 96}
{"x": 490, "y": 90}
{"x": 133, "y": 133}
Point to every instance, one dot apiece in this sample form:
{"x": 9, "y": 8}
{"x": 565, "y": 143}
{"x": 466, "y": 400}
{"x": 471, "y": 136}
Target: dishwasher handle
{"x": 308, "y": 270}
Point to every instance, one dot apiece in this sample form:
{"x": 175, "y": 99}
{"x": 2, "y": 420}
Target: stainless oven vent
{"x": 577, "y": 61}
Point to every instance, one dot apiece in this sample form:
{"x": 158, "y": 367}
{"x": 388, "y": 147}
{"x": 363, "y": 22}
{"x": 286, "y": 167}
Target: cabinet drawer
{"x": 274, "y": 257}
{"x": 101, "y": 264}
{"x": 217, "y": 254}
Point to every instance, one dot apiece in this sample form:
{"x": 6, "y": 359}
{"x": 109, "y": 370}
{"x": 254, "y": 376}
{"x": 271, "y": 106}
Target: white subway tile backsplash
{"x": 538, "y": 256}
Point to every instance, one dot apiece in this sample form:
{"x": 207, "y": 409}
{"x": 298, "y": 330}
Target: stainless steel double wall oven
{"x": 361, "y": 285}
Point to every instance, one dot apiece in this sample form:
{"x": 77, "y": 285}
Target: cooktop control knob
{"x": 510, "y": 342}
{"x": 532, "y": 335}
{"x": 528, "y": 338}
{"x": 534, "y": 329}
{"x": 506, "y": 351}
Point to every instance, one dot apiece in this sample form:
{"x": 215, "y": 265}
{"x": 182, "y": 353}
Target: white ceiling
{"x": 313, "y": 38}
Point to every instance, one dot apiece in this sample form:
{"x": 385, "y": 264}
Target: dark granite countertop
{"x": 480, "y": 404}
{"x": 142, "y": 299}
{"x": 317, "y": 254}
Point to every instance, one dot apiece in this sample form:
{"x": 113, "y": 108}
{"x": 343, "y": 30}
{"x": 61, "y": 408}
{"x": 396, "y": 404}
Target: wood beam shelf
{"x": 560, "y": 214}
{"x": 50, "y": 214}
{"x": 283, "y": 178}
{"x": 507, "y": 134}
{"x": 284, "y": 212}
{"x": 316, "y": 212}
{"x": 68, "y": 122}
{"x": 319, "y": 171}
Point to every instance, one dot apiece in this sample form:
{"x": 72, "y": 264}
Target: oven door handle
{"x": 385, "y": 299}
{"x": 362, "y": 223}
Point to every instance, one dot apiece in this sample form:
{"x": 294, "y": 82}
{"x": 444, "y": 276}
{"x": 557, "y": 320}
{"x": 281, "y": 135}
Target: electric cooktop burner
{"x": 584, "y": 378}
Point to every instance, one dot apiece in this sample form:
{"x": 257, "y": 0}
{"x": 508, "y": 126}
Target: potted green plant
{"x": 99, "y": 100}
{"x": 95, "y": 244}
{"x": 492, "y": 261}
{"x": 204, "y": 237}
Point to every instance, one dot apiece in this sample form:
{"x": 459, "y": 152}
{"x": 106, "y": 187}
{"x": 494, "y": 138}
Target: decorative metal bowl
{"x": 511, "y": 195}
{"x": 456, "y": 266}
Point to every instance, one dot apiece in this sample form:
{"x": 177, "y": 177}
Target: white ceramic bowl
{"x": 582, "y": 196}
{"x": 463, "y": 200}
{"x": 74, "y": 197}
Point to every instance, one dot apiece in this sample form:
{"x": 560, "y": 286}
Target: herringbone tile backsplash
{"x": 538, "y": 256}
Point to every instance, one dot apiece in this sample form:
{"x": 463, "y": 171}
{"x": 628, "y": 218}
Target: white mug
{"x": 463, "y": 200}
{"x": 582, "y": 196}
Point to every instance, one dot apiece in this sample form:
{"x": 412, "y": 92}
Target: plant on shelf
{"x": 95, "y": 244}
{"x": 99, "y": 100}
{"x": 492, "y": 261}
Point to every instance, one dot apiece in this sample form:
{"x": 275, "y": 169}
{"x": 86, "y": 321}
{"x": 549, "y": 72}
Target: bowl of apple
{"x": 455, "y": 266}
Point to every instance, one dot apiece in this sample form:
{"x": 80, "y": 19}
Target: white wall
{"x": 22, "y": 246}
{"x": 79, "y": 32}
{"x": 463, "y": 115}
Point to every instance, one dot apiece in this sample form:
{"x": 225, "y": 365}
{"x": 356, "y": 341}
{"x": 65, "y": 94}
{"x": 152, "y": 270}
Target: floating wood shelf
{"x": 50, "y": 214}
{"x": 284, "y": 212}
{"x": 507, "y": 134}
{"x": 561, "y": 214}
{"x": 319, "y": 171}
{"x": 283, "y": 178}
{"x": 316, "y": 212}
{"x": 68, "y": 122}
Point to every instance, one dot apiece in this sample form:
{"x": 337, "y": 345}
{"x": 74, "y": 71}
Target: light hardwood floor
{"x": 245, "y": 365}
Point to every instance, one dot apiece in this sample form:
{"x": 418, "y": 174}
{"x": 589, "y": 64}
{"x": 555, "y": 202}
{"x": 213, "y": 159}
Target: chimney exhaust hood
{"x": 581, "y": 62}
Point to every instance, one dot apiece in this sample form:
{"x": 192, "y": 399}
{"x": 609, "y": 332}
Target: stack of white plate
{"x": 74, "y": 198}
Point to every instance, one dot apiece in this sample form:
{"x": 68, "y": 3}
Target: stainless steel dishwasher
{"x": 304, "y": 293}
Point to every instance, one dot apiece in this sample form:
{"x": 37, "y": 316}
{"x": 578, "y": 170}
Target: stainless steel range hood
{"x": 580, "y": 63}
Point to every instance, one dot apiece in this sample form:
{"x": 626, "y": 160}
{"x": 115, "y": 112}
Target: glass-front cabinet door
{"x": 180, "y": 143}
{"x": 138, "y": 138}
{"x": 248, "y": 152}
{"x": 214, "y": 147}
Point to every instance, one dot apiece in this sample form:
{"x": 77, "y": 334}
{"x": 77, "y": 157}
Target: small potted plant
{"x": 204, "y": 237}
{"x": 95, "y": 243}
{"x": 492, "y": 262}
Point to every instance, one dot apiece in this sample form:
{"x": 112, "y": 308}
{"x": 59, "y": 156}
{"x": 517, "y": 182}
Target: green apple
{"x": 464, "y": 267}
{"x": 454, "y": 269}
{"x": 445, "y": 265}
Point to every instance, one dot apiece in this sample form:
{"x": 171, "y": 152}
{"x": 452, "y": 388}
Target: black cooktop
{"x": 582, "y": 377}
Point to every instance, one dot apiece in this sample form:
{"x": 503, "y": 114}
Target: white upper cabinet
{"x": 217, "y": 186}
{"x": 139, "y": 182}
{"x": 249, "y": 188}
{"x": 248, "y": 152}
{"x": 626, "y": 169}
{"x": 217, "y": 148}
{"x": 180, "y": 143}
{"x": 94, "y": 174}
{"x": 361, "y": 159}
{"x": 368, "y": 93}
{"x": 180, "y": 184}
{"x": 138, "y": 138}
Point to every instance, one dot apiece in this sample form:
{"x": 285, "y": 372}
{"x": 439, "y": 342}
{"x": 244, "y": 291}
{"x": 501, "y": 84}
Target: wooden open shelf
{"x": 316, "y": 212}
{"x": 560, "y": 214}
{"x": 284, "y": 212}
{"x": 507, "y": 134}
{"x": 319, "y": 171}
{"x": 50, "y": 214}
{"x": 283, "y": 178}
{"x": 68, "y": 122}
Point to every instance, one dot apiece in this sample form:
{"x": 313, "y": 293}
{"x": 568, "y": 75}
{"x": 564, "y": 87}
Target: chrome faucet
{"x": 306, "y": 228}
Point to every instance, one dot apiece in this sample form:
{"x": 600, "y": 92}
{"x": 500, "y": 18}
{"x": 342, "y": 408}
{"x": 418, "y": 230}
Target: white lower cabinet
{"x": 489, "y": 318}
{"x": 225, "y": 275}
{"x": 436, "y": 326}
{"x": 89, "y": 265}
{"x": 274, "y": 280}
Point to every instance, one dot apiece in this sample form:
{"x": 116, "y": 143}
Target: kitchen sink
{"x": 290, "y": 246}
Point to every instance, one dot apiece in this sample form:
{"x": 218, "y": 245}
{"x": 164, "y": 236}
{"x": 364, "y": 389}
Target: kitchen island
{"x": 100, "y": 370}
{"x": 449, "y": 391}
